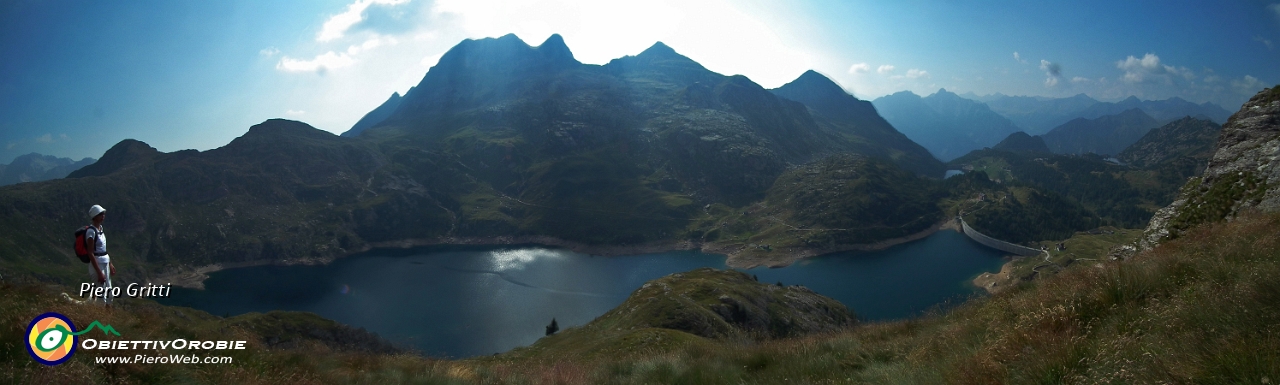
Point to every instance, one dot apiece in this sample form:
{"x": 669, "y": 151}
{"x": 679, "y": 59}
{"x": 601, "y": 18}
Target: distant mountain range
{"x": 1037, "y": 115}
{"x": 507, "y": 142}
{"x": 946, "y": 124}
{"x": 35, "y": 167}
{"x": 1105, "y": 135}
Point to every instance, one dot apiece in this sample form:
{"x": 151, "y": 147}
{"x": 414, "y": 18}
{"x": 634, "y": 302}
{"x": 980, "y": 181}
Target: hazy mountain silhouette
{"x": 1038, "y": 115}
{"x": 1106, "y": 135}
{"x": 841, "y": 112}
{"x": 946, "y": 124}
{"x": 376, "y": 116}
{"x": 1021, "y": 142}
{"x": 35, "y": 167}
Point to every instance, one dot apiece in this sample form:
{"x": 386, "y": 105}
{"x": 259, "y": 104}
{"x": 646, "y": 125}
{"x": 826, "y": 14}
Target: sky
{"x": 79, "y": 76}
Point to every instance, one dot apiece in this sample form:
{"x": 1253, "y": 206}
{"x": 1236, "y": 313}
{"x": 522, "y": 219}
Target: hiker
{"x": 100, "y": 267}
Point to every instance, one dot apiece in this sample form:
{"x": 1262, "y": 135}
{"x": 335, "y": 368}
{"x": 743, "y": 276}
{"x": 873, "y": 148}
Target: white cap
{"x": 95, "y": 210}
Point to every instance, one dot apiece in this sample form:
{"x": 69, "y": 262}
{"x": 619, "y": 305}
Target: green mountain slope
{"x": 500, "y": 139}
{"x": 1105, "y": 135}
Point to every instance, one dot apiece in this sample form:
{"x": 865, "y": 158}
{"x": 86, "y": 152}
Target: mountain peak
{"x": 121, "y": 155}
{"x": 659, "y": 49}
{"x": 816, "y": 84}
{"x": 555, "y": 48}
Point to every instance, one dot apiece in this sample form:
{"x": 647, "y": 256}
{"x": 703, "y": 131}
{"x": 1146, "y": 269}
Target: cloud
{"x": 1149, "y": 68}
{"x": 294, "y": 112}
{"x": 1248, "y": 85}
{"x": 337, "y": 25}
{"x": 269, "y": 51}
{"x": 46, "y": 138}
{"x": 11, "y": 145}
{"x": 1275, "y": 9}
{"x": 431, "y": 60}
{"x": 1080, "y": 80}
{"x": 860, "y": 68}
{"x": 1019, "y": 58}
{"x": 1052, "y": 72}
{"x": 1050, "y": 68}
{"x": 917, "y": 73}
{"x": 885, "y": 69}
{"x": 1264, "y": 41}
{"x": 64, "y": 137}
{"x": 324, "y": 62}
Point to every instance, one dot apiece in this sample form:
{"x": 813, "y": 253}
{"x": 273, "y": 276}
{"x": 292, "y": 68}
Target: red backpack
{"x": 83, "y": 249}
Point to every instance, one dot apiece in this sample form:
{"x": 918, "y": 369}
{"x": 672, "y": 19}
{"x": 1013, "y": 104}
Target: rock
{"x": 1243, "y": 174}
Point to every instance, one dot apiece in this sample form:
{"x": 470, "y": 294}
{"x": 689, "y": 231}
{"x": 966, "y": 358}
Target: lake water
{"x": 461, "y": 301}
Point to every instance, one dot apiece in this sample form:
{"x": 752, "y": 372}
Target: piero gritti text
{"x": 135, "y": 290}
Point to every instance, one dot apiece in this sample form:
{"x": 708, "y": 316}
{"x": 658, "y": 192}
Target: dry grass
{"x": 1204, "y": 308}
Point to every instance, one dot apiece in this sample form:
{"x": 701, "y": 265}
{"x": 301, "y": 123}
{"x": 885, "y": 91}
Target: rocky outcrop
{"x": 1243, "y": 174}
{"x": 719, "y": 304}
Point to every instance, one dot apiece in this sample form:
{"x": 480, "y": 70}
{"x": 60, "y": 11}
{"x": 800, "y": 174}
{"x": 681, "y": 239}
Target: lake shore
{"x": 737, "y": 256}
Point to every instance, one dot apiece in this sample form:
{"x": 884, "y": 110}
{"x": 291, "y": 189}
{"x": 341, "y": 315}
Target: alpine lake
{"x": 464, "y": 301}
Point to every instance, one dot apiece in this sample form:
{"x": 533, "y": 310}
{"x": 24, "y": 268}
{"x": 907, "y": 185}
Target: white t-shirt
{"x": 100, "y": 240}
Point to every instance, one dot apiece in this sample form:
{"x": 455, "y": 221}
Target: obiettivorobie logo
{"x": 52, "y": 339}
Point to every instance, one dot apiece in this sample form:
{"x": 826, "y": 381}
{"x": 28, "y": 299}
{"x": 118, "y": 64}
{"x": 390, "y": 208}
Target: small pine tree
{"x": 553, "y": 327}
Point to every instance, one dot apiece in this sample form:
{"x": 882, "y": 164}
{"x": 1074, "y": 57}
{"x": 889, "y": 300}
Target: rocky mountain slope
{"x": 1242, "y": 175}
{"x": 707, "y": 303}
{"x": 34, "y": 167}
{"x": 870, "y": 134}
{"x": 500, "y": 142}
{"x": 1188, "y": 138}
{"x": 376, "y": 116}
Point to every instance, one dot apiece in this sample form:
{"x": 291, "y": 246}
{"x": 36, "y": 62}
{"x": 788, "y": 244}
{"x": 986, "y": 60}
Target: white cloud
{"x": 917, "y": 73}
{"x": 1079, "y": 80}
{"x": 324, "y": 62}
{"x": 46, "y": 138}
{"x": 295, "y": 112}
{"x": 431, "y": 60}
{"x": 860, "y": 68}
{"x": 885, "y": 69}
{"x": 1264, "y": 41}
{"x": 337, "y": 25}
{"x": 1275, "y": 9}
{"x": 1019, "y": 58}
{"x": 1052, "y": 72}
{"x": 64, "y": 137}
{"x": 1150, "y": 69}
{"x": 1248, "y": 85}
{"x": 11, "y": 145}
{"x": 269, "y": 51}
{"x": 371, "y": 44}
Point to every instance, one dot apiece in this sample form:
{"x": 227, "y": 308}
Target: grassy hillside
{"x": 1199, "y": 309}
{"x": 1057, "y": 195}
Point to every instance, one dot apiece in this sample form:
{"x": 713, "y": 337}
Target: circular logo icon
{"x": 50, "y": 340}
